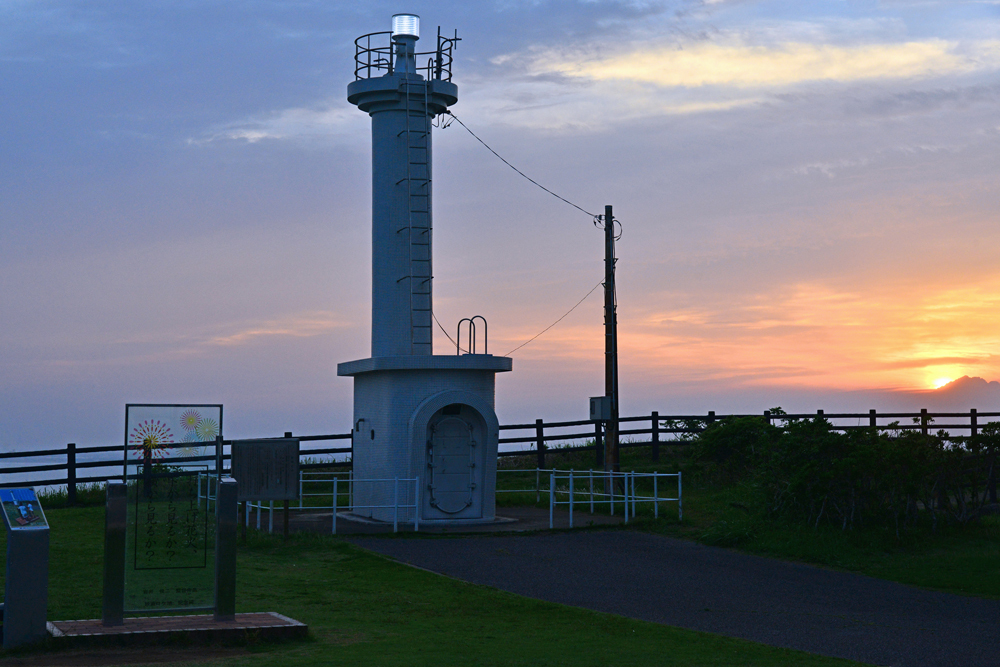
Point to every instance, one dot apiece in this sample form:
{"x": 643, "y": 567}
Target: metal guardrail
{"x": 377, "y": 60}
{"x": 563, "y": 483}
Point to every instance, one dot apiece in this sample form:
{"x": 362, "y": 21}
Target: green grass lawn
{"x": 365, "y": 610}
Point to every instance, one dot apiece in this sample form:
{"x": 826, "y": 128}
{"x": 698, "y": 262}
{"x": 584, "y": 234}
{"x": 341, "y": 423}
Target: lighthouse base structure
{"x": 430, "y": 418}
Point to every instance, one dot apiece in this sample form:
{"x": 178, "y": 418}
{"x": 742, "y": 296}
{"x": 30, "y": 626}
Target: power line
{"x": 557, "y": 321}
{"x": 592, "y": 215}
{"x": 457, "y": 346}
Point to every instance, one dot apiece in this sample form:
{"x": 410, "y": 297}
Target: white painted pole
{"x": 591, "y": 490}
{"x": 416, "y": 504}
{"x": 270, "y": 519}
{"x": 571, "y": 498}
{"x": 656, "y": 497}
{"x": 625, "y": 498}
{"x": 611, "y": 486}
{"x": 552, "y": 496}
{"x": 680, "y": 511}
{"x": 633, "y": 494}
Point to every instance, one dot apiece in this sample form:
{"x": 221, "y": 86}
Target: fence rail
{"x": 570, "y": 436}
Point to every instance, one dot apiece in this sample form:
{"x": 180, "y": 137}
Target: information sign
{"x": 171, "y": 480}
{"x": 21, "y": 509}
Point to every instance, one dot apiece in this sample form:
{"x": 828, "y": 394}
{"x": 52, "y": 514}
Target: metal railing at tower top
{"x": 377, "y": 60}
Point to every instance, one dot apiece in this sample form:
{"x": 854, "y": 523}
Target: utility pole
{"x": 611, "y": 462}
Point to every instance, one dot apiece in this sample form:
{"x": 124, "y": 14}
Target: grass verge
{"x": 365, "y": 610}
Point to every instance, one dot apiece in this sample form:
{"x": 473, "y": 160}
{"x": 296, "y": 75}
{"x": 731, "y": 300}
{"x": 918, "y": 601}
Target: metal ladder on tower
{"x": 418, "y": 199}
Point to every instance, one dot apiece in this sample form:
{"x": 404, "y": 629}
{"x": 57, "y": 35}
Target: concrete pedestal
{"x": 427, "y": 417}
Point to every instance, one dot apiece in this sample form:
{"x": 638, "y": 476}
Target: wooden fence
{"x": 542, "y": 438}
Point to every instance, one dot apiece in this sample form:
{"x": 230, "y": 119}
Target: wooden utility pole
{"x": 610, "y": 343}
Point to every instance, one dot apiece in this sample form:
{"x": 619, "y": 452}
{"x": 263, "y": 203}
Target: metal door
{"x": 451, "y": 461}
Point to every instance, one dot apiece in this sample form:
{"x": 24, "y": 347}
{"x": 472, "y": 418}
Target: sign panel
{"x": 171, "y": 481}
{"x": 163, "y": 432}
{"x": 266, "y": 469}
{"x": 21, "y": 509}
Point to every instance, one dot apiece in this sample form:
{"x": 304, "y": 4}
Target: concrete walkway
{"x": 679, "y": 583}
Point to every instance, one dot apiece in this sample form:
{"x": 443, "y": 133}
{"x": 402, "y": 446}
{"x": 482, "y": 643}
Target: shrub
{"x": 809, "y": 473}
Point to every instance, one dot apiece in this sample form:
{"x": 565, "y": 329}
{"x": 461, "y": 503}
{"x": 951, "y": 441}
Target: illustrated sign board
{"x": 171, "y": 481}
{"x": 161, "y": 432}
{"x": 21, "y": 509}
{"x": 266, "y": 469}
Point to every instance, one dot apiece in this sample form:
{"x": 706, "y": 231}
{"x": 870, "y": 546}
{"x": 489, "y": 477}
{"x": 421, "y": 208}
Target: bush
{"x": 808, "y": 473}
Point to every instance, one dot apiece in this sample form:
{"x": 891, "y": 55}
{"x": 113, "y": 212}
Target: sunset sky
{"x": 808, "y": 193}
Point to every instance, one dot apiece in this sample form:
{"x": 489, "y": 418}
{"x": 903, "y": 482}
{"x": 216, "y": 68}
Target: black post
{"x": 599, "y": 444}
{"x": 711, "y": 417}
{"x": 923, "y": 421}
{"x": 655, "y": 417}
{"x": 767, "y": 417}
{"x": 225, "y": 549}
{"x": 71, "y": 474}
{"x": 218, "y": 456}
{"x": 973, "y": 422}
{"x": 540, "y": 443}
{"x": 872, "y": 419}
{"x": 115, "y": 510}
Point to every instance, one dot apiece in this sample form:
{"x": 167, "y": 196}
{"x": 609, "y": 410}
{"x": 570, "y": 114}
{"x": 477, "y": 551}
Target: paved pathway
{"x": 679, "y": 583}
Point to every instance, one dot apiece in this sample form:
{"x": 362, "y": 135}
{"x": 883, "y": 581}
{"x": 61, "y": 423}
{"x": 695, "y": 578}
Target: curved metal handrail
{"x": 471, "y": 349}
{"x": 372, "y": 61}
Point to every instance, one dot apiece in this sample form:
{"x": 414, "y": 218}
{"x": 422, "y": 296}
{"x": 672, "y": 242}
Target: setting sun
{"x": 940, "y": 382}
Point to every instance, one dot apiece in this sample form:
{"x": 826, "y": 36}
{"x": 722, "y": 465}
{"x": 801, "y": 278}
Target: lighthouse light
{"x": 406, "y": 25}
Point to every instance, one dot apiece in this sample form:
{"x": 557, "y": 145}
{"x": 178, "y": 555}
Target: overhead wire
{"x": 557, "y": 321}
{"x": 457, "y": 346}
{"x": 500, "y": 157}
{"x": 598, "y": 221}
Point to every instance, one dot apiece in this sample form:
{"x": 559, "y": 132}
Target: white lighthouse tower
{"x": 416, "y": 414}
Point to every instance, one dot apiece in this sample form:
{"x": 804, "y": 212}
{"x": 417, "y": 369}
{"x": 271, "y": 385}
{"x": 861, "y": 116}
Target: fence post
{"x": 599, "y": 444}
{"x": 656, "y": 435}
{"x": 395, "y": 504}
{"x": 923, "y": 421}
{"x": 767, "y": 417}
{"x": 570, "y": 497}
{"x": 819, "y": 414}
{"x": 334, "y": 529}
{"x": 71, "y": 473}
{"x": 973, "y": 422}
{"x": 625, "y": 497}
{"x": 552, "y": 495}
{"x": 656, "y": 497}
{"x": 872, "y": 419}
{"x": 711, "y": 417}
{"x": 680, "y": 498}
{"x": 540, "y": 442}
